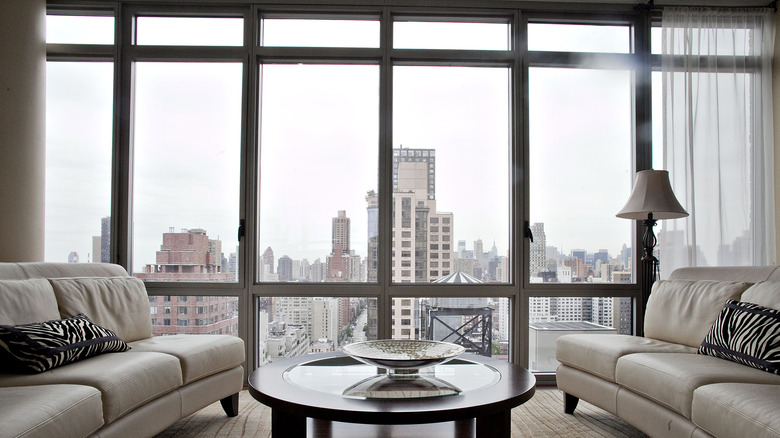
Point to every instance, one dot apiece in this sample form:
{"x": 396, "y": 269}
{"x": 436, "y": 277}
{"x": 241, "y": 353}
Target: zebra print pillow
{"x": 41, "y": 346}
{"x": 746, "y": 333}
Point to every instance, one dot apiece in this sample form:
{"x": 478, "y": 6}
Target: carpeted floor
{"x": 540, "y": 417}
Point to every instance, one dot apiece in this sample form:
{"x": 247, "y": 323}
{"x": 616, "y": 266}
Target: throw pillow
{"x": 41, "y": 346}
{"x": 746, "y": 333}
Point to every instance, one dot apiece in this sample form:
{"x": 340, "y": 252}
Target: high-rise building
{"x": 372, "y": 257}
{"x": 187, "y": 255}
{"x": 268, "y": 258}
{"x": 538, "y": 250}
{"x": 285, "y": 268}
{"x": 105, "y": 241}
{"x": 340, "y": 234}
{"x": 479, "y": 257}
{"x": 422, "y": 236}
{"x": 339, "y": 267}
{"x": 422, "y": 244}
{"x": 190, "y": 256}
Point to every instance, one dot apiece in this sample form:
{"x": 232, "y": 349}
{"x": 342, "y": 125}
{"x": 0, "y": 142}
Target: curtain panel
{"x": 718, "y": 136}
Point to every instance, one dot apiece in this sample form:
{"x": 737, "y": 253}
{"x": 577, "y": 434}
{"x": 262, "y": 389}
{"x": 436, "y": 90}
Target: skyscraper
{"x": 339, "y": 268}
{"x": 341, "y": 232}
{"x": 285, "y": 269}
{"x": 538, "y": 250}
{"x": 372, "y": 212}
{"x": 105, "y": 241}
{"x": 422, "y": 236}
{"x": 422, "y": 244}
{"x": 268, "y": 258}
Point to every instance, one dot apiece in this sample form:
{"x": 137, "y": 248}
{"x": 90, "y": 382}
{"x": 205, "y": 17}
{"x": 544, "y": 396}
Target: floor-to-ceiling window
{"x": 581, "y": 96}
{"x": 311, "y": 176}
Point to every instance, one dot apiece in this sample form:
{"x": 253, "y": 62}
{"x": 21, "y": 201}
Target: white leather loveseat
{"x": 133, "y": 393}
{"x": 689, "y": 376}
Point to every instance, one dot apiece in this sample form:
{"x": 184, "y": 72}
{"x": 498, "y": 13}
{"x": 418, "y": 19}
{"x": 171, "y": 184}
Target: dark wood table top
{"x": 515, "y": 385}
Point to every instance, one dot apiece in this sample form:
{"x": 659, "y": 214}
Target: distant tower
{"x": 479, "y": 256}
{"x": 268, "y": 258}
{"x": 105, "y": 241}
{"x": 341, "y": 232}
{"x": 73, "y": 257}
{"x": 538, "y": 250}
{"x": 372, "y": 212}
{"x": 285, "y": 268}
{"x": 338, "y": 266}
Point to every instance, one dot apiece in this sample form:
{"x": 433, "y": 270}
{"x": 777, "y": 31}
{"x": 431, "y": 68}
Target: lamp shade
{"x": 652, "y": 194}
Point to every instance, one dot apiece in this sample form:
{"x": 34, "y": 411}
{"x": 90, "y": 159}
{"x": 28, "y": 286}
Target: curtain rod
{"x": 650, "y": 6}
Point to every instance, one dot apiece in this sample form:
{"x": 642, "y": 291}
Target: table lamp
{"x": 651, "y": 200}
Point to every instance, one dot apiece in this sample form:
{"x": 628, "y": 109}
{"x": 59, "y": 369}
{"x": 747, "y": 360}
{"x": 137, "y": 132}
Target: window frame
{"x": 124, "y": 53}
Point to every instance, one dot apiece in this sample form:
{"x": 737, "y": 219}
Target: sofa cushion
{"x": 598, "y": 354}
{"x": 670, "y": 378}
{"x": 746, "y": 333}
{"x": 765, "y": 293}
{"x": 50, "y": 411}
{"x": 120, "y": 304}
{"x": 41, "y": 346}
{"x": 200, "y": 355}
{"x": 691, "y": 305}
{"x": 26, "y": 301}
{"x": 126, "y": 380}
{"x": 738, "y": 410}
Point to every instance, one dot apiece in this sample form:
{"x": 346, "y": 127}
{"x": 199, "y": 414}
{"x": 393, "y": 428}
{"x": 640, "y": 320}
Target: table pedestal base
{"x": 335, "y": 429}
{"x": 292, "y": 426}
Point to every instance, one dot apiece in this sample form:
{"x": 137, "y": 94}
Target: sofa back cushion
{"x": 119, "y": 304}
{"x": 27, "y": 301}
{"x": 764, "y": 293}
{"x": 682, "y": 311}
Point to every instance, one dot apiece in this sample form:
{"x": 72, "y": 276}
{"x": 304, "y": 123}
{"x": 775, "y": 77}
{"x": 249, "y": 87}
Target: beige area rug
{"x": 542, "y": 416}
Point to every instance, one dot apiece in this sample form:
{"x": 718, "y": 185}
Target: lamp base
{"x": 650, "y": 264}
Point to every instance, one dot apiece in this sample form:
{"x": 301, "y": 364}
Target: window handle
{"x": 241, "y": 229}
{"x": 528, "y": 233}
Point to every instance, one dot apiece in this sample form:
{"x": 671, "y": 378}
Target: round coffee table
{"x": 470, "y": 395}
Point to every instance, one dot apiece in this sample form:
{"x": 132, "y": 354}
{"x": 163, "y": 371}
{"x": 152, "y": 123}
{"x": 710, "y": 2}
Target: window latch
{"x": 527, "y": 232}
{"x": 241, "y": 228}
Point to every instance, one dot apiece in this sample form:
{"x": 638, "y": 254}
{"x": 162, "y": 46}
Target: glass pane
{"x": 319, "y": 33}
{"x": 552, "y": 317}
{"x": 294, "y": 326}
{"x": 318, "y": 172}
{"x": 580, "y": 173}
{"x": 480, "y": 324}
{"x": 194, "y": 315}
{"x": 579, "y": 38}
{"x": 451, "y": 175}
{"x": 187, "y": 144}
{"x": 79, "y": 121}
{"x": 656, "y": 43}
{"x": 658, "y": 123}
{"x": 189, "y": 31}
{"x": 74, "y": 29}
{"x": 450, "y": 35}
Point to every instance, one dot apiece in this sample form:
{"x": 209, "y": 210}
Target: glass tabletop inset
{"x": 347, "y": 377}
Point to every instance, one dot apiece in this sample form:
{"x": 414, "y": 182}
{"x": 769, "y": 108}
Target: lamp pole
{"x": 649, "y": 260}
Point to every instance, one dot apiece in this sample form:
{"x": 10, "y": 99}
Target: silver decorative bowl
{"x": 403, "y": 357}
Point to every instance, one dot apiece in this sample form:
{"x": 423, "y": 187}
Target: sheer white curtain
{"x": 718, "y": 136}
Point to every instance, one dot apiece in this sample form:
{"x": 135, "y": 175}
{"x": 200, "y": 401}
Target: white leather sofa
{"x": 134, "y": 393}
{"x": 659, "y": 383}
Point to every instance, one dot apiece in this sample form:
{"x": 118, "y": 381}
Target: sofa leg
{"x": 230, "y": 405}
{"x": 569, "y": 403}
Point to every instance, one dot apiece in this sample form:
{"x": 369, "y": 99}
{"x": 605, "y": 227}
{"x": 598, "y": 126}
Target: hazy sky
{"x": 319, "y": 150}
